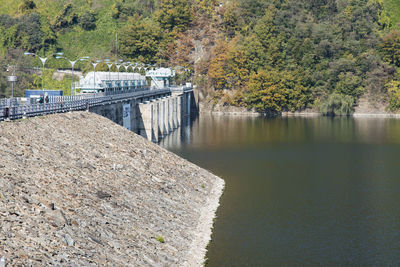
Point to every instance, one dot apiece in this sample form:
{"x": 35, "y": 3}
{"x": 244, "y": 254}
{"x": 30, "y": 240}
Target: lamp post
{"x": 126, "y": 75}
{"x": 94, "y": 64}
{"x": 43, "y": 60}
{"x": 117, "y": 66}
{"x": 84, "y": 58}
{"x": 109, "y": 65}
{"x": 126, "y": 66}
{"x": 72, "y": 62}
{"x": 133, "y": 75}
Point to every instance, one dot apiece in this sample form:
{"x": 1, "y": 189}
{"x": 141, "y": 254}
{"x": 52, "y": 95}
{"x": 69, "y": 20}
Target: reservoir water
{"x": 300, "y": 191}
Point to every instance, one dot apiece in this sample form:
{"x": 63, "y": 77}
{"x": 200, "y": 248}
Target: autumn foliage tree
{"x": 181, "y": 50}
{"x": 174, "y": 15}
{"x": 219, "y": 70}
{"x": 273, "y": 91}
{"x": 390, "y": 47}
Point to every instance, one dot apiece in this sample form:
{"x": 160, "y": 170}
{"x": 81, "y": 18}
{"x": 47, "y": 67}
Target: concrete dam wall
{"x": 152, "y": 118}
{"x": 77, "y": 189}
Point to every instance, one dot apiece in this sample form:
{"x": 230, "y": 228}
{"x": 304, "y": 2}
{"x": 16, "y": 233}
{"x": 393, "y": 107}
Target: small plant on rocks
{"x": 160, "y": 239}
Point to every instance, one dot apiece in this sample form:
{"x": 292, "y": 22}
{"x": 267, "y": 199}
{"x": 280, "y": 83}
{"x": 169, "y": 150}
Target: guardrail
{"x": 71, "y": 103}
{"x": 4, "y": 102}
{"x": 181, "y": 88}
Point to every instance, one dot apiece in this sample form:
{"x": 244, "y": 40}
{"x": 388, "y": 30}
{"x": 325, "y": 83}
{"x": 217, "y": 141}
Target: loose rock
{"x": 79, "y": 190}
{"x": 69, "y": 240}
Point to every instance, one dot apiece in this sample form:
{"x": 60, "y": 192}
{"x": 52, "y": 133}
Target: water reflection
{"x": 300, "y": 191}
{"x": 222, "y": 130}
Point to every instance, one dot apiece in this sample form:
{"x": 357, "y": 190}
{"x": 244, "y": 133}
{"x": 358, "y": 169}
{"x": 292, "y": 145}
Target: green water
{"x": 300, "y": 191}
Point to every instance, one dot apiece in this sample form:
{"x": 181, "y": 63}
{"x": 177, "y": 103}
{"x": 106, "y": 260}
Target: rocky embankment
{"x": 78, "y": 190}
{"x": 206, "y": 106}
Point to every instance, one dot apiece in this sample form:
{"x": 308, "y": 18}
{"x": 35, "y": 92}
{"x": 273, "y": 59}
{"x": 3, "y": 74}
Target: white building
{"x": 160, "y": 78}
{"x": 102, "y": 81}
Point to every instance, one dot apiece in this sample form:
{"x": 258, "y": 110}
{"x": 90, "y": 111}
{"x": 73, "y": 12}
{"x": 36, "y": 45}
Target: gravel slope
{"x": 77, "y": 189}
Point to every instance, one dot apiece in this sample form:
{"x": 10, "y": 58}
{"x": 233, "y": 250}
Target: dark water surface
{"x": 300, "y": 191}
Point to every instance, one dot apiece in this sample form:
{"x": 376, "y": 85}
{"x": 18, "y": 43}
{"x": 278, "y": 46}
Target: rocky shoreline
{"x": 78, "y": 190}
{"x": 365, "y": 108}
{"x": 236, "y": 111}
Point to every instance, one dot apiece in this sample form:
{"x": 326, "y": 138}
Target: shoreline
{"x": 231, "y": 113}
{"x": 299, "y": 114}
{"x": 198, "y": 248}
{"x": 376, "y": 115}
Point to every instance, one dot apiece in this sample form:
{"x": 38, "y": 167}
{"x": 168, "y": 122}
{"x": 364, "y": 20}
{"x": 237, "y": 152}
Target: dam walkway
{"x": 150, "y": 113}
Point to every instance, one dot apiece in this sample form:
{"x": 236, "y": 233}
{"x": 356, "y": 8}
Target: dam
{"x": 152, "y": 110}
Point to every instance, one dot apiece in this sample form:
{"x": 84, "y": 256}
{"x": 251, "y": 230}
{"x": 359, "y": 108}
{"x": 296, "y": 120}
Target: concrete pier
{"x": 145, "y": 121}
{"x": 152, "y": 118}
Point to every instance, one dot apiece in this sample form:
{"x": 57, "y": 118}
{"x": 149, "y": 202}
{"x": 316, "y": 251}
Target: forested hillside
{"x": 270, "y": 55}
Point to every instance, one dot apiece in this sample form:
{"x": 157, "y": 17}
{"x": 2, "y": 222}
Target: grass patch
{"x": 160, "y": 239}
{"x": 392, "y": 7}
{"x": 9, "y": 7}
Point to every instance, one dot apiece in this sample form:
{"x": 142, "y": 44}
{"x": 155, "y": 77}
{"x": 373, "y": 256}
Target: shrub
{"x": 393, "y": 89}
{"x": 87, "y": 21}
{"x": 26, "y": 6}
{"x": 338, "y": 104}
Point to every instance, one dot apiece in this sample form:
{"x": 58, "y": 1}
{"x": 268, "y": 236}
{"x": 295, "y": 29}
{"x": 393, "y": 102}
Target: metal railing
{"x": 182, "y": 88}
{"x": 58, "y": 104}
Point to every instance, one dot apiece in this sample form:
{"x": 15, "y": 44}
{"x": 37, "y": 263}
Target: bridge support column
{"x": 175, "y": 115}
{"x": 162, "y": 117}
{"x": 135, "y": 117}
{"x": 184, "y": 105}
{"x": 179, "y": 109}
{"x": 170, "y": 114}
{"x": 165, "y": 119}
{"x": 188, "y": 104}
{"x": 166, "y": 123}
{"x": 156, "y": 119}
{"x": 146, "y": 120}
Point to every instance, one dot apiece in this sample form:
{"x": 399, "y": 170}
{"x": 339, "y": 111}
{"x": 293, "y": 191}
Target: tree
{"x": 15, "y": 61}
{"x": 338, "y": 104}
{"x": 251, "y": 10}
{"x": 256, "y": 54}
{"x": 26, "y": 6}
{"x": 205, "y": 7}
{"x": 390, "y": 47}
{"x": 231, "y": 20}
{"x": 66, "y": 18}
{"x": 265, "y": 29}
{"x": 181, "y": 50}
{"x": 3, "y": 79}
{"x": 349, "y": 84}
{"x": 220, "y": 65}
{"x": 123, "y": 9}
{"x": 141, "y": 39}
{"x": 174, "y": 15}
{"x": 393, "y": 89}
{"x": 87, "y": 21}
{"x": 30, "y": 35}
{"x": 273, "y": 91}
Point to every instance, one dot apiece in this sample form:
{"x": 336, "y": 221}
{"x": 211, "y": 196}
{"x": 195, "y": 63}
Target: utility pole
{"x": 116, "y": 44}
